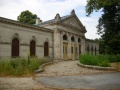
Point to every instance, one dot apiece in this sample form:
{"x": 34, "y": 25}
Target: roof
{"x": 90, "y": 40}
{"x": 53, "y": 20}
{"x": 17, "y": 23}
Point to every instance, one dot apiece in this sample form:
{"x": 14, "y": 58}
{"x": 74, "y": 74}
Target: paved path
{"x": 66, "y": 68}
{"x": 95, "y": 81}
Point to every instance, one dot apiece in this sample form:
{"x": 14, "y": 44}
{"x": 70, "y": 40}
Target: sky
{"x": 47, "y": 9}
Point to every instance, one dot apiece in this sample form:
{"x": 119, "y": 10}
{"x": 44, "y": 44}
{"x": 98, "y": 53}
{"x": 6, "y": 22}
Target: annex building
{"x": 62, "y": 38}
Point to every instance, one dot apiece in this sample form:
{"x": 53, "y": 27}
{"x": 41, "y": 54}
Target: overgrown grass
{"x": 99, "y": 60}
{"x": 19, "y": 66}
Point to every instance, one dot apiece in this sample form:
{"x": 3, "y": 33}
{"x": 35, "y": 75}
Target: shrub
{"x": 114, "y": 58}
{"x": 99, "y": 60}
{"x": 20, "y": 66}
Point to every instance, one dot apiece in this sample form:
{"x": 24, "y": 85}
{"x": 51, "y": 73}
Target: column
{"x": 69, "y": 46}
{"x": 61, "y": 45}
{"x": 77, "y": 45}
{"x": 56, "y": 45}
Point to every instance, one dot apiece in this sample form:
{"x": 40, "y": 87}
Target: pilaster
{"x": 77, "y": 45}
{"x": 69, "y": 46}
{"x": 56, "y": 44}
{"x": 61, "y": 45}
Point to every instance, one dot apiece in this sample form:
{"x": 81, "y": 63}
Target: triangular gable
{"x": 74, "y": 22}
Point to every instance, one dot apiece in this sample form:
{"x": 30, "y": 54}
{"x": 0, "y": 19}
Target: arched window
{"x": 92, "y": 49}
{"x": 88, "y": 48}
{"x": 79, "y": 40}
{"x": 32, "y": 48}
{"x": 15, "y": 47}
{"x": 72, "y": 38}
{"x": 65, "y": 37}
{"x": 46, "y": 49}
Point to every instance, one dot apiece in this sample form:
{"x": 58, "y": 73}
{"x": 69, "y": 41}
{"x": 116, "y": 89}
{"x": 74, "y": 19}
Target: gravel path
{"x": 67, "y": 68}
{"x": 26, "y": 83}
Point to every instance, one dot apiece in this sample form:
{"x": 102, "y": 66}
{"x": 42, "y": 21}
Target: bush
{"x": 20, "y": 66}
{"x": 114, "y": 58}
{"x": 99, "y": 60}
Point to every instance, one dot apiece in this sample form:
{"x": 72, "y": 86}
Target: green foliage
{"x": 27, "y": 17}
{"x": 114, "y": 58}
{"x": 99, "y": 60}
{"x": 95, "y": 5}
{"x": 101, "y": 46}
{"x": 19, "y": 66}
{"x": 109, "y": 23}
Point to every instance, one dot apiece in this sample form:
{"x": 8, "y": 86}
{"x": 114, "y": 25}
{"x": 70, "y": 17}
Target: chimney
{"x": 38, "y": 20}
{"x": 72, "y": 12}
{"x": 57, "y": 17}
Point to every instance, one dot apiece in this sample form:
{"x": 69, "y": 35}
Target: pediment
{"x": 74, "y": 22}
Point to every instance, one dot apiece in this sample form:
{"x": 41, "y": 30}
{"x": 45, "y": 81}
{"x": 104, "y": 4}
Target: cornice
{"x": 29, "y": 26}
{"x": 72, "y": 27}
{"x": 61, "y": 30}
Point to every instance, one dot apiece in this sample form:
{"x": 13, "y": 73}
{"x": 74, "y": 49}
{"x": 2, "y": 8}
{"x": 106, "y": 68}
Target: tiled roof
{"x": 53, "y": 20}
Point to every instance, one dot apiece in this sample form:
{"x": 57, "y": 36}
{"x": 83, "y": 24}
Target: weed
{"x": 19, "y": 66}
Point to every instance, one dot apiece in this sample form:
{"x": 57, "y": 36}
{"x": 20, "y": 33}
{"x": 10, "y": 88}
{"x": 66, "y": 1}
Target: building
{"x": 62, "y": 38}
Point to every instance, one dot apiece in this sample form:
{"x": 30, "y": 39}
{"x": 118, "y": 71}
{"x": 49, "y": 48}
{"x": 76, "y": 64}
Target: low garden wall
{"x": 97, "y": 67}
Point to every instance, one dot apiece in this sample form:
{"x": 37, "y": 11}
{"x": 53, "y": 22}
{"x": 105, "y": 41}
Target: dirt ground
{"x": 117, "y": 65}
{"x": 14, "y": 83}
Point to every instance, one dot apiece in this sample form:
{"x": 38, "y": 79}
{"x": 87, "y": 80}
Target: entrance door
{"x": 73, "y": 51}
{"x": 65, "y": 52}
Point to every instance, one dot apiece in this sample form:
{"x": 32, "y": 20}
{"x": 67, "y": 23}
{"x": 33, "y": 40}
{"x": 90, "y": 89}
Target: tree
{"x": 27, "y": 17}
{"x": 109, "y": 23}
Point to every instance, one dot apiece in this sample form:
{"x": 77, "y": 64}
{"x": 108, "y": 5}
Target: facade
{"x": 62, "y": 38}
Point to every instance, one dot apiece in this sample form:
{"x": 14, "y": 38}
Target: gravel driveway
{"x": 68, "y": 68}
{"x": 65, "y": 68}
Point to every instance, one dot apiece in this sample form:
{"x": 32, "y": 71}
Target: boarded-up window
{"x": 32, "y": 48}
{"x": 46, "y": 49}
{"x": 15, "y": 47}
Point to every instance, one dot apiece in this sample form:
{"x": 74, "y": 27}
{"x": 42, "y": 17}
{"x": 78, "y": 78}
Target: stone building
{"x": 62, "y": 38}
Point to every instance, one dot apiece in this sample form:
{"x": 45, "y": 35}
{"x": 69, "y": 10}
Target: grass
{"x": 19, "y": 66}
{"x": 99, "y": 60}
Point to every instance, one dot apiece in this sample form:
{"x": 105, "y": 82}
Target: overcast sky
{"x": 47, "y": 9}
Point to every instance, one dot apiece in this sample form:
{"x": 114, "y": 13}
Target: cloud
{"x": 90, "y": 24}
{"x": 47, "y": 9}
